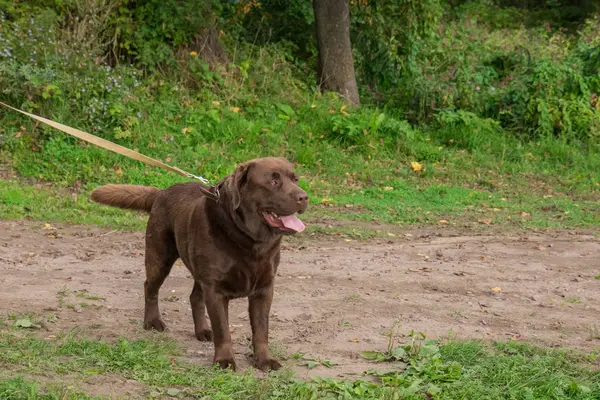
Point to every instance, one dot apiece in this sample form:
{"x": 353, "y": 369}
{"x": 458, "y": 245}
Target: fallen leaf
{"x": 216, "y": 103}
{"x": 325, "y": 201}
{"x": 355, "y": 340}
{"x": 524, "y": 214}
{"x": 388, "y": 189}
{"x": 173, "y": 392}
{"x": 442, "y": 222}
{"x": 416, "y": 167}
{"x": 420, "y": 269}
{"x": 235, "y": 109}
{"x": 496, "y": 289}
{"x": 26, "y": 323}
{"x": 193, "y": 53}
{"x": 483, "y": 258}
{"x": 119, "y": 172}
{"x": 485, "y": 221}
{"x": 48, "y": 227}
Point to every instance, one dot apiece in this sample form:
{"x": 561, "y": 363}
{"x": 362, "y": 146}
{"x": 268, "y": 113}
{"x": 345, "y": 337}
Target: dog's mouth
{"x": 286, "y": 223}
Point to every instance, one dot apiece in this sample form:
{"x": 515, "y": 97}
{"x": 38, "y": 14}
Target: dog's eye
{"x": 295, "y": 179}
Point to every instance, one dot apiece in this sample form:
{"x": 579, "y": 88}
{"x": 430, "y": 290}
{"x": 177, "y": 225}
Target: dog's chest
{"x": 247, "y": 278}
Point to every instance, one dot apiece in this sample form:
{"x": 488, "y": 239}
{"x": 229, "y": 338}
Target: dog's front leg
{"x": 259, "y": 309}
{"x": 217, "y": 306}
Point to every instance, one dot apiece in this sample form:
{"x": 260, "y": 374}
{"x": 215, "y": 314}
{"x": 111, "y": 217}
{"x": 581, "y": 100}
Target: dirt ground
{"x": 333, "y": 298}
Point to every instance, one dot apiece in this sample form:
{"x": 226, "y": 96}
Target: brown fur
{"x": 126, "y": 196}
{"x": 228, "y": 246}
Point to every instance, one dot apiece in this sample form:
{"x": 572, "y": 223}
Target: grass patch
{"x": 21, "y": 389}
{"x": 478, "y": 371}
{"x": 406, "y": 203}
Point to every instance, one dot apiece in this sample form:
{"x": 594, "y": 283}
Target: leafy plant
{"x": 311, "y": 363}
{"x": 26, "y": 323}
{"x": 419, "y": 357}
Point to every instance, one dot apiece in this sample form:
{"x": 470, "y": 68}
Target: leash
{"x": 211, "y": 192}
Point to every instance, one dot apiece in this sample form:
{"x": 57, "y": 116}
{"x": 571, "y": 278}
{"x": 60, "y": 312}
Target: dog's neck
{"x": 249, "y": 233}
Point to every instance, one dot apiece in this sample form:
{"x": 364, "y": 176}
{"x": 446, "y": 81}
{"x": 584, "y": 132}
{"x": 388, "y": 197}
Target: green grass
{"x": 402, "y": 203}
{"x": 459, "y": 370}
{"x": 21, "y": 389}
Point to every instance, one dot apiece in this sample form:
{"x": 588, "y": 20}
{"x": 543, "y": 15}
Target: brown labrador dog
{"x": 230, "y": 245}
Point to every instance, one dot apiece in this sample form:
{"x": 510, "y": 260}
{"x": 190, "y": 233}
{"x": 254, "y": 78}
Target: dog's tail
{"x": 131, "y": 197}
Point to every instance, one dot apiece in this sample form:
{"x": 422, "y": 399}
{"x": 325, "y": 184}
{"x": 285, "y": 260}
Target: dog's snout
{"x": 302, "y": 197}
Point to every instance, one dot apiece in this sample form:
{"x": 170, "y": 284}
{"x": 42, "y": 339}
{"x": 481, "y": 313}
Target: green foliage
{"x": 387, "y": 36}
{"x": 485, "y": 102}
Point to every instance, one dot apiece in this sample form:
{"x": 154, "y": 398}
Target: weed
{"x": 344, "y": 324}
{"x": 353, "y": 298}
{"x": 84, "y": 294}
{"x": 311, "y": 363}
{"x": 594, "y": 333}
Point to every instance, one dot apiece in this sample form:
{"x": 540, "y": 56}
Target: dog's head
{"x": 266, "y": 195}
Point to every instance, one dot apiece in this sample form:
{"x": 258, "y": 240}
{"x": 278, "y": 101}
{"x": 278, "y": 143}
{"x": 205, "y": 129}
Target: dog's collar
{"x": 212, "y": 192}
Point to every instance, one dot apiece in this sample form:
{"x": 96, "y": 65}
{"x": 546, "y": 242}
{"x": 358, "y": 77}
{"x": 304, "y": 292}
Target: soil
{"x": 333, "y": 298}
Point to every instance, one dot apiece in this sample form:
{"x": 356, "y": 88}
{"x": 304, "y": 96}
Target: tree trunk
{"x": 208, "y": 42}
{"x": 209, "y": 47}
{"x": 336, "y": 66}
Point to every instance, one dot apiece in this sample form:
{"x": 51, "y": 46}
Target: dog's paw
{"x": 267, "y": 364}
{"x": 226, "y": 363}
{"x": 155, "y": 324}
{"x": 204, "y": 335}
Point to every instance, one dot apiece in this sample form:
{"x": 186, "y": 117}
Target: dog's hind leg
{"x": 203, "y": 331}
{"x": 161, "y": 254}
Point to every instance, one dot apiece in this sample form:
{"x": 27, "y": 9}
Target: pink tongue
{"x": 292, "y": 222}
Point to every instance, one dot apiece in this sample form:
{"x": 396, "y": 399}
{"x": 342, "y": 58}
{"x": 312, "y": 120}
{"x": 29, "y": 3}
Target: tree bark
{"x": 336, "y": 65}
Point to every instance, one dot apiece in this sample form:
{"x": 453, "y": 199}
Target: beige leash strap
{"x": 116, "y": 148}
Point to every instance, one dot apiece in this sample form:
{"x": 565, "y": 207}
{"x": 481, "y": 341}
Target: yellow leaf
{"x": 48, "y": 227}
{"x": 216, "y": 103}
{"x": 193, "y": 53}
{"x": 343, "y": 108}
{"x": 496, "y": 289}
{"x": 442, "y": 222}
{"x": 235, "y": 109}
{"x": 313, "y": 106}
{"x": 388, "y": 189}
{"x": 355, "y": 340}
{"x": 325, "y": 201}
{"x": 416, "y": 166}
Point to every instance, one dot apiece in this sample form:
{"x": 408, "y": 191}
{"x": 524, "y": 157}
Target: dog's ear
{"x": 235, "y": 182}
